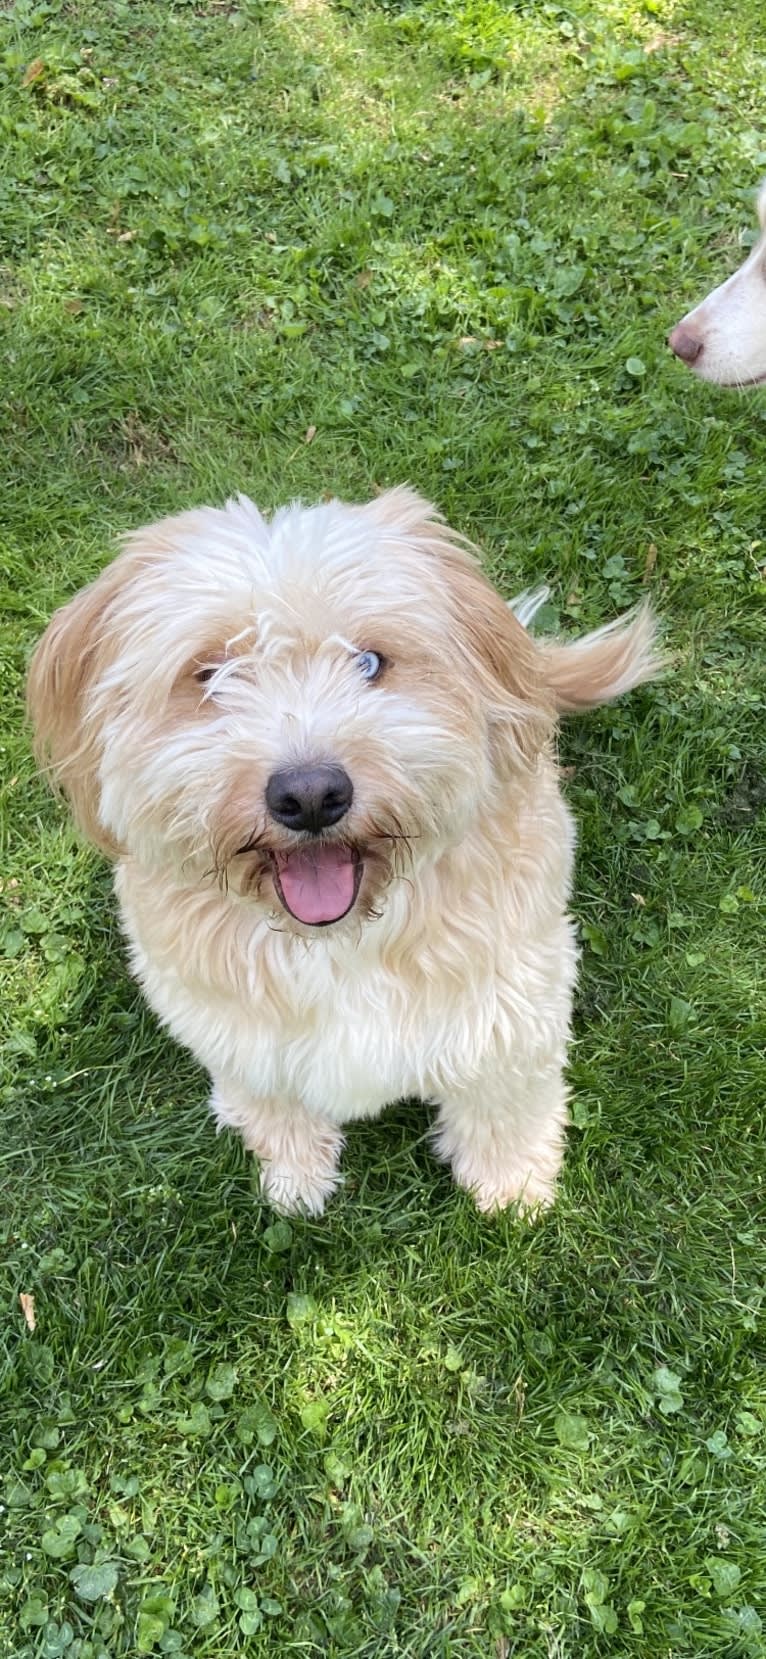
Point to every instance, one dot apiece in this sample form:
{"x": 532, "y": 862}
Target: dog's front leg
{"x": 503, "y": 1135}
{"x": 297, "y": 1150}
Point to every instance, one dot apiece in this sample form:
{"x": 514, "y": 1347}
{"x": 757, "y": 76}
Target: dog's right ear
{"x": 486, "y": 641}
{"x": 65, "y": 666}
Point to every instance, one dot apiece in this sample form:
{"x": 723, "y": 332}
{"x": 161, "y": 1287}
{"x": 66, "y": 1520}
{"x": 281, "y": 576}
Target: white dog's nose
{"x": 309, "y": 797}
{"x": 684, "y": 344}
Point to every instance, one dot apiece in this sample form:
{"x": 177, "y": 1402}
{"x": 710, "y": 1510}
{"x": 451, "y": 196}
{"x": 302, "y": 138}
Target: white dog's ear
{"x": 486, "y": 642}
{"x": 68, "y": 660}
{"x": 500, "y": 658}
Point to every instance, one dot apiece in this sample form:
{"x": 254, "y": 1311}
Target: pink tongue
{"x": 319, "y": 885}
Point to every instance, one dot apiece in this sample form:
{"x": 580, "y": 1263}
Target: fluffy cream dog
{"x": 319, "y": 750}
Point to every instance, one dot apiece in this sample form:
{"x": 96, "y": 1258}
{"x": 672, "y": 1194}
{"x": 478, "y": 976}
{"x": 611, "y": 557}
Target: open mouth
{"x": 317, "y": 884}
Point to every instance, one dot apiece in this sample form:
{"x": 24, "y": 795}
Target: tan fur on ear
{"x": 69, "y": 657}
{"x": 501, "y": 657}
{"x": 532, "y": 680}
{"x": 604, "y": 664}
{"x": 498, "y": 652}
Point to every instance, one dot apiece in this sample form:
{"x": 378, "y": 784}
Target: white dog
{"x": 320, "y": 751}
{"x": 724, "y": 338}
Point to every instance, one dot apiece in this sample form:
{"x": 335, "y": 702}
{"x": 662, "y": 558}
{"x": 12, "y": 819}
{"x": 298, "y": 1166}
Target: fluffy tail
{"x": 604, "y": 664}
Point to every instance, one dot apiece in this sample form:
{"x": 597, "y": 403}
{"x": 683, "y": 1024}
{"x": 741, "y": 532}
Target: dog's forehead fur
{"x": 308, "y": 574}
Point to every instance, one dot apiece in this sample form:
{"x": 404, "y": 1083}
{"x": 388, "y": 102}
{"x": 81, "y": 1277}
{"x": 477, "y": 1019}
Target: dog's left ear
{"x": 487, "y": 642}
{"x": 501, "y": 659}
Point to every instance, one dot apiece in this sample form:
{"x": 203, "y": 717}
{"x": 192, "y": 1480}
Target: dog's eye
{"x": 370, "y": 664}
{"x": 202, "y": 675}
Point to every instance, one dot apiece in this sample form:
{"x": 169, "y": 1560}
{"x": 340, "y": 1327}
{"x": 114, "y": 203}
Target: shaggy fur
{"x": 724, "y": 338}
{"x": 220, "y": 647}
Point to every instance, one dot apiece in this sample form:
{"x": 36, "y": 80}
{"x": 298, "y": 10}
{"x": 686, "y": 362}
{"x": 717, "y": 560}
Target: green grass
{"x": 450, "y": 237}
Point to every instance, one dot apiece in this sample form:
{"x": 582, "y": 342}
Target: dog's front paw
{"x": 499, "y": 1188}
{"x": 298, "y": 1152}
{"x": 506, "y": 1152}
{"x": 291, "y": 1189}
{"x": 527, "y": 1193}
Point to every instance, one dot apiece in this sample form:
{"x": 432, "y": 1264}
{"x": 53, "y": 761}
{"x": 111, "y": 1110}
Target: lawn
{"x": 322, "y": 246}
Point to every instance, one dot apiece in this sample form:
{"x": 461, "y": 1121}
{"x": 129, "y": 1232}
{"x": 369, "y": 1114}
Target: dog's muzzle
{"x": 317, "y": 881}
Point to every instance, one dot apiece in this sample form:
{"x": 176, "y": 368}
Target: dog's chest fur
{"x": 474, "y": 956}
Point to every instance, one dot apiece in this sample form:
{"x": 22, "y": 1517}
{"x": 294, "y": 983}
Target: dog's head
{"x": 299, "y": 708}
{"x": 724, "y": 339}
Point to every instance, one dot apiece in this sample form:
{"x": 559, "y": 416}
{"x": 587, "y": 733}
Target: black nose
{"x": 685, "y": 344}
{"x": 309, "y": 797}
